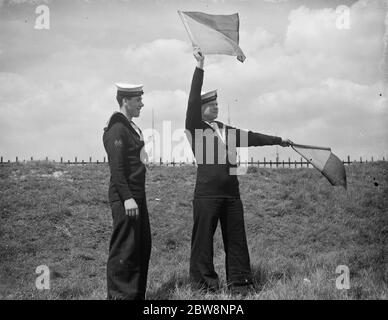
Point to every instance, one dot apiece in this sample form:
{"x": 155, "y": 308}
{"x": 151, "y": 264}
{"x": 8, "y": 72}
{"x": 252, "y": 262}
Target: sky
{"x": 304, "y": 77}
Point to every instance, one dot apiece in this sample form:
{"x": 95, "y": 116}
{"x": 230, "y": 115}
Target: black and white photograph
{"x": 216, "y": 151}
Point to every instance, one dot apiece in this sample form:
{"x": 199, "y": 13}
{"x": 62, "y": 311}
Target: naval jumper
{"x": 130, "y": 244}
{"x": 217, "y": 195}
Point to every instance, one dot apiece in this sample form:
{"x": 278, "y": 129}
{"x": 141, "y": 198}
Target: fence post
{"x": 61, "y": 159}
{"x": 32, "y": 159}
{"x": 258, "y": 163}
{"x": 348, "y": 159}
{"x": 46, "y": 159}
{"x": 283, "y": 163}
{"x": 295, "y": 163}
{"x": 75, "y": 160}
{"x": 160, "y": 161}
{"x": 251, "y": 162}
{"x": 97, "y": 161}
{"x": 289, "y": 162}
{"x": 264, "y": 162}
{"x": 1, "y": 159}
{"x": 104, "y": 159}
{"x": 301, "y": 162}
{"x": 372, "y": 158}
{"x": 277, "y": 161}
{"x": 82, "y": 162}
{"x": 360, "y": 159}
{"x": 270, "y": 163}
{"x": 17, "y": 160}
{"x": 90, "y": 159}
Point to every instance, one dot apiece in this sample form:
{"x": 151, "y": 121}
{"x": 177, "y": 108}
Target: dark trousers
{"x": 207, "y": 212}
{"x": 129, "y": 253}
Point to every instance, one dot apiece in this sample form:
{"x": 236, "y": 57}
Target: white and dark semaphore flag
{"x": 325, "y": 161}
{"x": 213, "y": 34}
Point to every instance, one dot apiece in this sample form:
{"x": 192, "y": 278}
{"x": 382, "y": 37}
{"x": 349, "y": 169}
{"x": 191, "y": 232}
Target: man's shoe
{"x": 205, "y": 288}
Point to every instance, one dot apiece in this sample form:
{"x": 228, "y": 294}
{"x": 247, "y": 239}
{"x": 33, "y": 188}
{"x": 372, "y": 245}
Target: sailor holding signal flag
{"x": 216, "y": 194}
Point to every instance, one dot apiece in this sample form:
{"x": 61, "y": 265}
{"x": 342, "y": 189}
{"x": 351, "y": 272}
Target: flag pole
{"x": 153, "y": 136}
{"x": 187, "y": 28}
{"x": 228, "y": 115}
{"x": 308, "y": 147}
{"x": 307, "y": 159}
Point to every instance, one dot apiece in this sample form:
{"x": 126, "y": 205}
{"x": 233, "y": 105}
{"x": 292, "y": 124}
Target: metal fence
{"x": 256, "y": 163}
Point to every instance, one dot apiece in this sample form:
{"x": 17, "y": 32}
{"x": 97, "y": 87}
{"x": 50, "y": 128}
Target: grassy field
{"x": 299, "y": 230}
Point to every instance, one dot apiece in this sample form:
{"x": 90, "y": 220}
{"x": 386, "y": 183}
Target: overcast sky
{"x": 303, "y": 78}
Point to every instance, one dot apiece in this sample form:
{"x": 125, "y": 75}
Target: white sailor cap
{"x": 208, "y": 96}
{"x": 129, "y": 90}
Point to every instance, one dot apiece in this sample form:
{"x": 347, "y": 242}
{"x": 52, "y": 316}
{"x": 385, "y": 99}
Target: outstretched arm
{"x": 255, "y": 139}
{"x": 193, "y": 114}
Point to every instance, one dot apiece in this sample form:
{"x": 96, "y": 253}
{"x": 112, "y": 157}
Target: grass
{"x": 299, "y": 229}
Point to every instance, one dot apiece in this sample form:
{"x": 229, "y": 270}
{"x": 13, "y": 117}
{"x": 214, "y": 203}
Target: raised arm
{"x": 193, "y": 113}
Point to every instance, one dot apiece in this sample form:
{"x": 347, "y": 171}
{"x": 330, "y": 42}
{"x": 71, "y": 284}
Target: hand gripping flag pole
{"x": 324, "y": 161}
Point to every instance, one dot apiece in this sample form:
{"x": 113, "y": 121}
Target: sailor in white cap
{"x": 130, "y": 244}
{"x": 216, "y": 195}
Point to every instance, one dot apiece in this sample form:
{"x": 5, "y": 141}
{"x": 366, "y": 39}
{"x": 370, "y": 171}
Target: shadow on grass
{"x": 263, "y": 277}
{"x": 75, "y": 292}
{"x": 167, "y": 289}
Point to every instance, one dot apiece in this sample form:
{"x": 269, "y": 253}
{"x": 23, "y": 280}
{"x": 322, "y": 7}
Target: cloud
{"x": 276, "y": 1}
{"x": 18, "y": 2}
{"x": 52, "y": 119}
{"x": 169, "y": 117}
{"x": 316, "y": 31}
{"x": 320, "y": 79}
{"x": 335, "y": 112}
{"x": 256, "y": 40}
{"x": 159, "y": 60}
{"x": 167, "y": 104}
{"x": 314, "y": 81}
{"x": 313, "y": 49}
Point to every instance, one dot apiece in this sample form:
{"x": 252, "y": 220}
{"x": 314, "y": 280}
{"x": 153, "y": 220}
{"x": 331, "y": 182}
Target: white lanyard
{"x": 220, "y": 134}
{"x": 134, "y": 126}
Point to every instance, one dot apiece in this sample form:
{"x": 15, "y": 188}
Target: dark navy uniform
{"x": 216, "y": 195}
{"x": 130, "y": 245}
